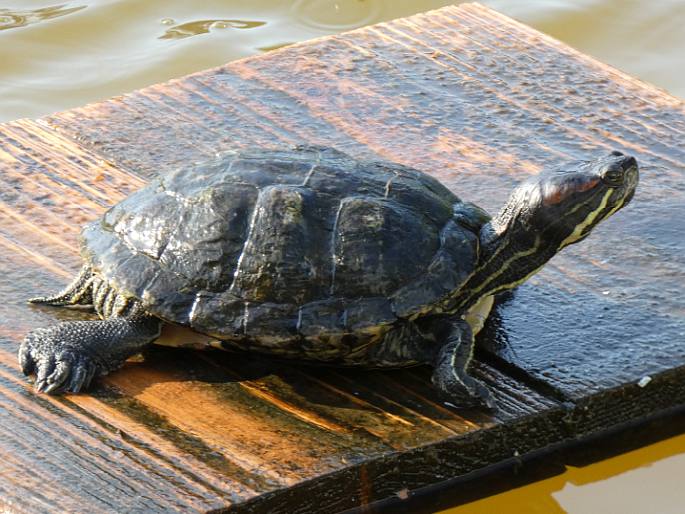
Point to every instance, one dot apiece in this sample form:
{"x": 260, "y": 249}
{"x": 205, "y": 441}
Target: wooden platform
{"x": 594, "y": 341}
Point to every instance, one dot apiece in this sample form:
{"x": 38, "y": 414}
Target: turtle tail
{"x": 79, "y": 292}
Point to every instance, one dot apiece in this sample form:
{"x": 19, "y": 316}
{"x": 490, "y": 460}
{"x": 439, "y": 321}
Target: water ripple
{"x": 12, "y": 19}
{"x": 336, "y": 14}
{"x": 193, "y": 28}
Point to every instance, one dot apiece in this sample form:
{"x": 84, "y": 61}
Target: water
{"x": 645, "y": 480}
{"x": 55, "y": 56}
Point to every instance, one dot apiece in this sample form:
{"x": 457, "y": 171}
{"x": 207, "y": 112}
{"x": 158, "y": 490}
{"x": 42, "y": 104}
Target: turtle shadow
{"x": 160, "y": 364}
{"x": 351, "y": 397}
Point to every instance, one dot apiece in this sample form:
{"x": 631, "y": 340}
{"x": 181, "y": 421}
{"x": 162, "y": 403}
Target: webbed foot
{"x": 66, "y": 357}
{"x": 59, "y": 367}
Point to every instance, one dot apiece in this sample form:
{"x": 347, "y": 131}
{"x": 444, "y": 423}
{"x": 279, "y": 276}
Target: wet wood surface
{"x": 463, "y": 93}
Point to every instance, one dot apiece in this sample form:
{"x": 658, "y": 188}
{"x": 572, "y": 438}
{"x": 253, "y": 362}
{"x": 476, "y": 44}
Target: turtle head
{"x": 547, "y": 213}
{"x": 561, "y": 207}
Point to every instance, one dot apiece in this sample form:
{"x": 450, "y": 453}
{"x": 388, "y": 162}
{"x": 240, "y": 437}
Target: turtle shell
{"x": 273, "y": 245}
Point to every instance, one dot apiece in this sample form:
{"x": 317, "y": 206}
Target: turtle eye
{"x": 613, "y": 176}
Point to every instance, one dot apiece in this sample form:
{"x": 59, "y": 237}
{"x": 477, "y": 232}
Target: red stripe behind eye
{"x": 562, "y": 193}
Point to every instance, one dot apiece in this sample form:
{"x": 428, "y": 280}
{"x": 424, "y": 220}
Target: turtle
{"x": 308, "y": 253}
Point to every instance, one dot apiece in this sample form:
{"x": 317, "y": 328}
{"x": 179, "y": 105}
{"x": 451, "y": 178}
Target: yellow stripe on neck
{"x": 578, "y": 231}
{"x": 506, "y": 265}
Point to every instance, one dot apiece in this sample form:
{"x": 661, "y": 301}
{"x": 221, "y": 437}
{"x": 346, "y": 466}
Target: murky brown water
{"x": 54, "y": 56}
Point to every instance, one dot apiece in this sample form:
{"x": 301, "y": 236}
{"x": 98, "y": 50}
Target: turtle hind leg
{"x": 450, "y": 369}
{"x": 67, "y": 356}
{"x": 78, "y": 292}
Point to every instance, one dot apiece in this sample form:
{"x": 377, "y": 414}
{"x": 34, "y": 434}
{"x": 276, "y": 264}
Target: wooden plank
{"x": 463, "y": 93}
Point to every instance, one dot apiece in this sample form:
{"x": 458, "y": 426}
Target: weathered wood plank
{"x": 465, "y": 94}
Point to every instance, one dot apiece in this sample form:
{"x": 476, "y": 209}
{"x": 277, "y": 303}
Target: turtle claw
{"x": 78, "y": 378}
{"x": 467, "y": 393}
{"x": 53, "y": 388}
{"x": 58, "y": 376}
{"x": 67, "y": 356}
{"x": 92, "y": 370}
{"x": 44, "y": 367}
{"x": 25, "y": 360}
{"x": 57, "y": 369}
{"x": 484, "y": 396}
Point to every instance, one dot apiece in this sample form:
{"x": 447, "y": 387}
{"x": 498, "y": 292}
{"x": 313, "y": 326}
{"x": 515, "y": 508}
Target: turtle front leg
{"x": 65, "y": 357}
{"x": 451, "y": 362}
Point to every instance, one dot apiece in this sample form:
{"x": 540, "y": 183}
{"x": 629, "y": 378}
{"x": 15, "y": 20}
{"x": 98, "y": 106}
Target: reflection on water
{"x": 194, "y": 28}
{"x": 339, "y": 14}
{"x": 12, "y": 19}
{"x": 644, "y": 480}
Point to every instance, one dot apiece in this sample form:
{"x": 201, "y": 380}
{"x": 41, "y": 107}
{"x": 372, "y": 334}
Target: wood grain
{"x": 463, "y": 93}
